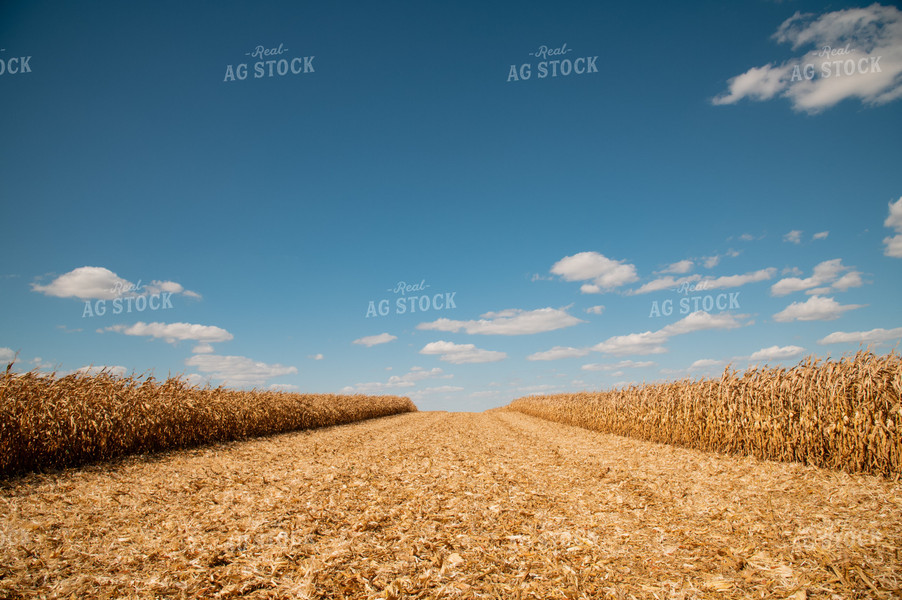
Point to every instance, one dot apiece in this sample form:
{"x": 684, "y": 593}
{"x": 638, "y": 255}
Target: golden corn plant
{"x": 52, "y": 422}
{"x": 842, "y": 414}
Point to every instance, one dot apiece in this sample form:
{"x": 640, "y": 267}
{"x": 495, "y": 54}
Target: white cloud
{"x": 623, "y": 364}
{"x": 652, "y": 342}
{"x": 679, "y": 267}
{"x": 238, "y": 371}
{"x": 282, "y": 387}
{"x": 116, "y": 370}
{"x": 826, "y": 276}
{"x": 894, "y": 221}
{"x": 558, "y": 352}
{"x": 794, "y": 236}
{"x": 86, "y": 283}
{"x": 604, "y": 273}
{"x": 7, "y": 355}
{"x": 849, "y": 280}
{"x": 869, "y": 68}
{"x": 649, "y": 342}
{"x": 173, "y": 332}
{"x": 876, "y": 336}
{"x": 158, "y": 287}
{"x": 758, "y": 83}
{"x": 747, "y": 237}
{"x": 315, "y": 356}
{"x": 821, "y": 235}
{"x": 729, "y": 281}
{"x": 705, "y": 363}
{"x": 461, "y": 353}
{"x": 664, "y": 283}
{"x": 776, "y": 353}
{"x": 711, "y": 261}
{"x": 512, "y": 321}
{"x": 816, "y": 308}
{"x": 374, "y": 340}
{"x": 197, "y": 380}
{"x": 99, "y": 283}
{"x": 396, "y": 382}
{"x": 893, "y": 246}
{"x": 203, "y": 349}
{"x": 702, "y": 321}
{"x": 595, "y": 310}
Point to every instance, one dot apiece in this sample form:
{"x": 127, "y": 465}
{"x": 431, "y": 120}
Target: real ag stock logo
{"x": 127, "y": 298}
{"x": 13, "y": 65}
{"x": 271, "y": 63}
{"x": 849, "y": 62}
{"x": 410, "y": 298}
{"x": 554, "y": 62}
{"x": 691, "y": 304}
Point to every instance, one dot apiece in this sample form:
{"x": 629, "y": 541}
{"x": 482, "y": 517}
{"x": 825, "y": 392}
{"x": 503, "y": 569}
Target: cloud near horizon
{"x": 237, "y": 371}
{"x": 174, "y": 332}
{"x": 513, "y": 321}
{"x": 461, "y": 353}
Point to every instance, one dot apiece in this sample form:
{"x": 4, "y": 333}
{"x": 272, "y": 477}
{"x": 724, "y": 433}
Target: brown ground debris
{"x": 449, "y": 505}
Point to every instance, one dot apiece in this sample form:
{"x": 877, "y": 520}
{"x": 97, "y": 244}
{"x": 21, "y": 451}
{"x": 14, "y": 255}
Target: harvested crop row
{"x": 843, "y": 414}
{"x": 55, "y": 422}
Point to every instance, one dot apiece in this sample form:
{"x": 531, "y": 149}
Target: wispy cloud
{"x": 652, "y": 342}
{"x": 794, "y": 237}
{"x": 282, "y": 387}
{"x": 894, "y": 222}
{"x": 512, "y": 321}
{"x": 117, "y": 370}
{"x": 816, "y": 308}
{"x": 174, "y": 332}
{"x": 664, "y": 283}
{"x": 826, "y": 277}
{"x": 374, "y": 340}
{"x": 869, "y": 68}
{"x": 237, "y": 371}
{"x": 874, "y": 336}
{"x": 461, "y": 353}
{"x": 396, "y": 382}
{"x": 558, "y": 352}
{"x": 776, "y": 353}
{"x": 679, "y": 267}
{"x": 705, "y": 363}
{"x": 623, "y": 364}
{"x": 731, "y": 281}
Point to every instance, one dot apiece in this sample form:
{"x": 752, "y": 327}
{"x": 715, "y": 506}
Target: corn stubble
{"x": 49, "y": 422}
{"x": 843, "y": 414}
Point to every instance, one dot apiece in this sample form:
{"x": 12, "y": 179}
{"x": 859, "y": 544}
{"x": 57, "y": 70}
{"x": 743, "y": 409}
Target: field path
{"x": 450, "y": 505}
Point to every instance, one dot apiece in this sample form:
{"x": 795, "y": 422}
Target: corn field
{"x": 49, "y": 422}
{"x": 843, "y": 414}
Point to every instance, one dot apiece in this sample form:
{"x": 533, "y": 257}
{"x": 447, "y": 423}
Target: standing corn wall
{"x": 49, "y": 422}
{"x": 842, "y": 414}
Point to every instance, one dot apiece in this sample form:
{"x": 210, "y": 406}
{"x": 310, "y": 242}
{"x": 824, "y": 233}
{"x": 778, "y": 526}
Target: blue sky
{"x": 560, "y": 215}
